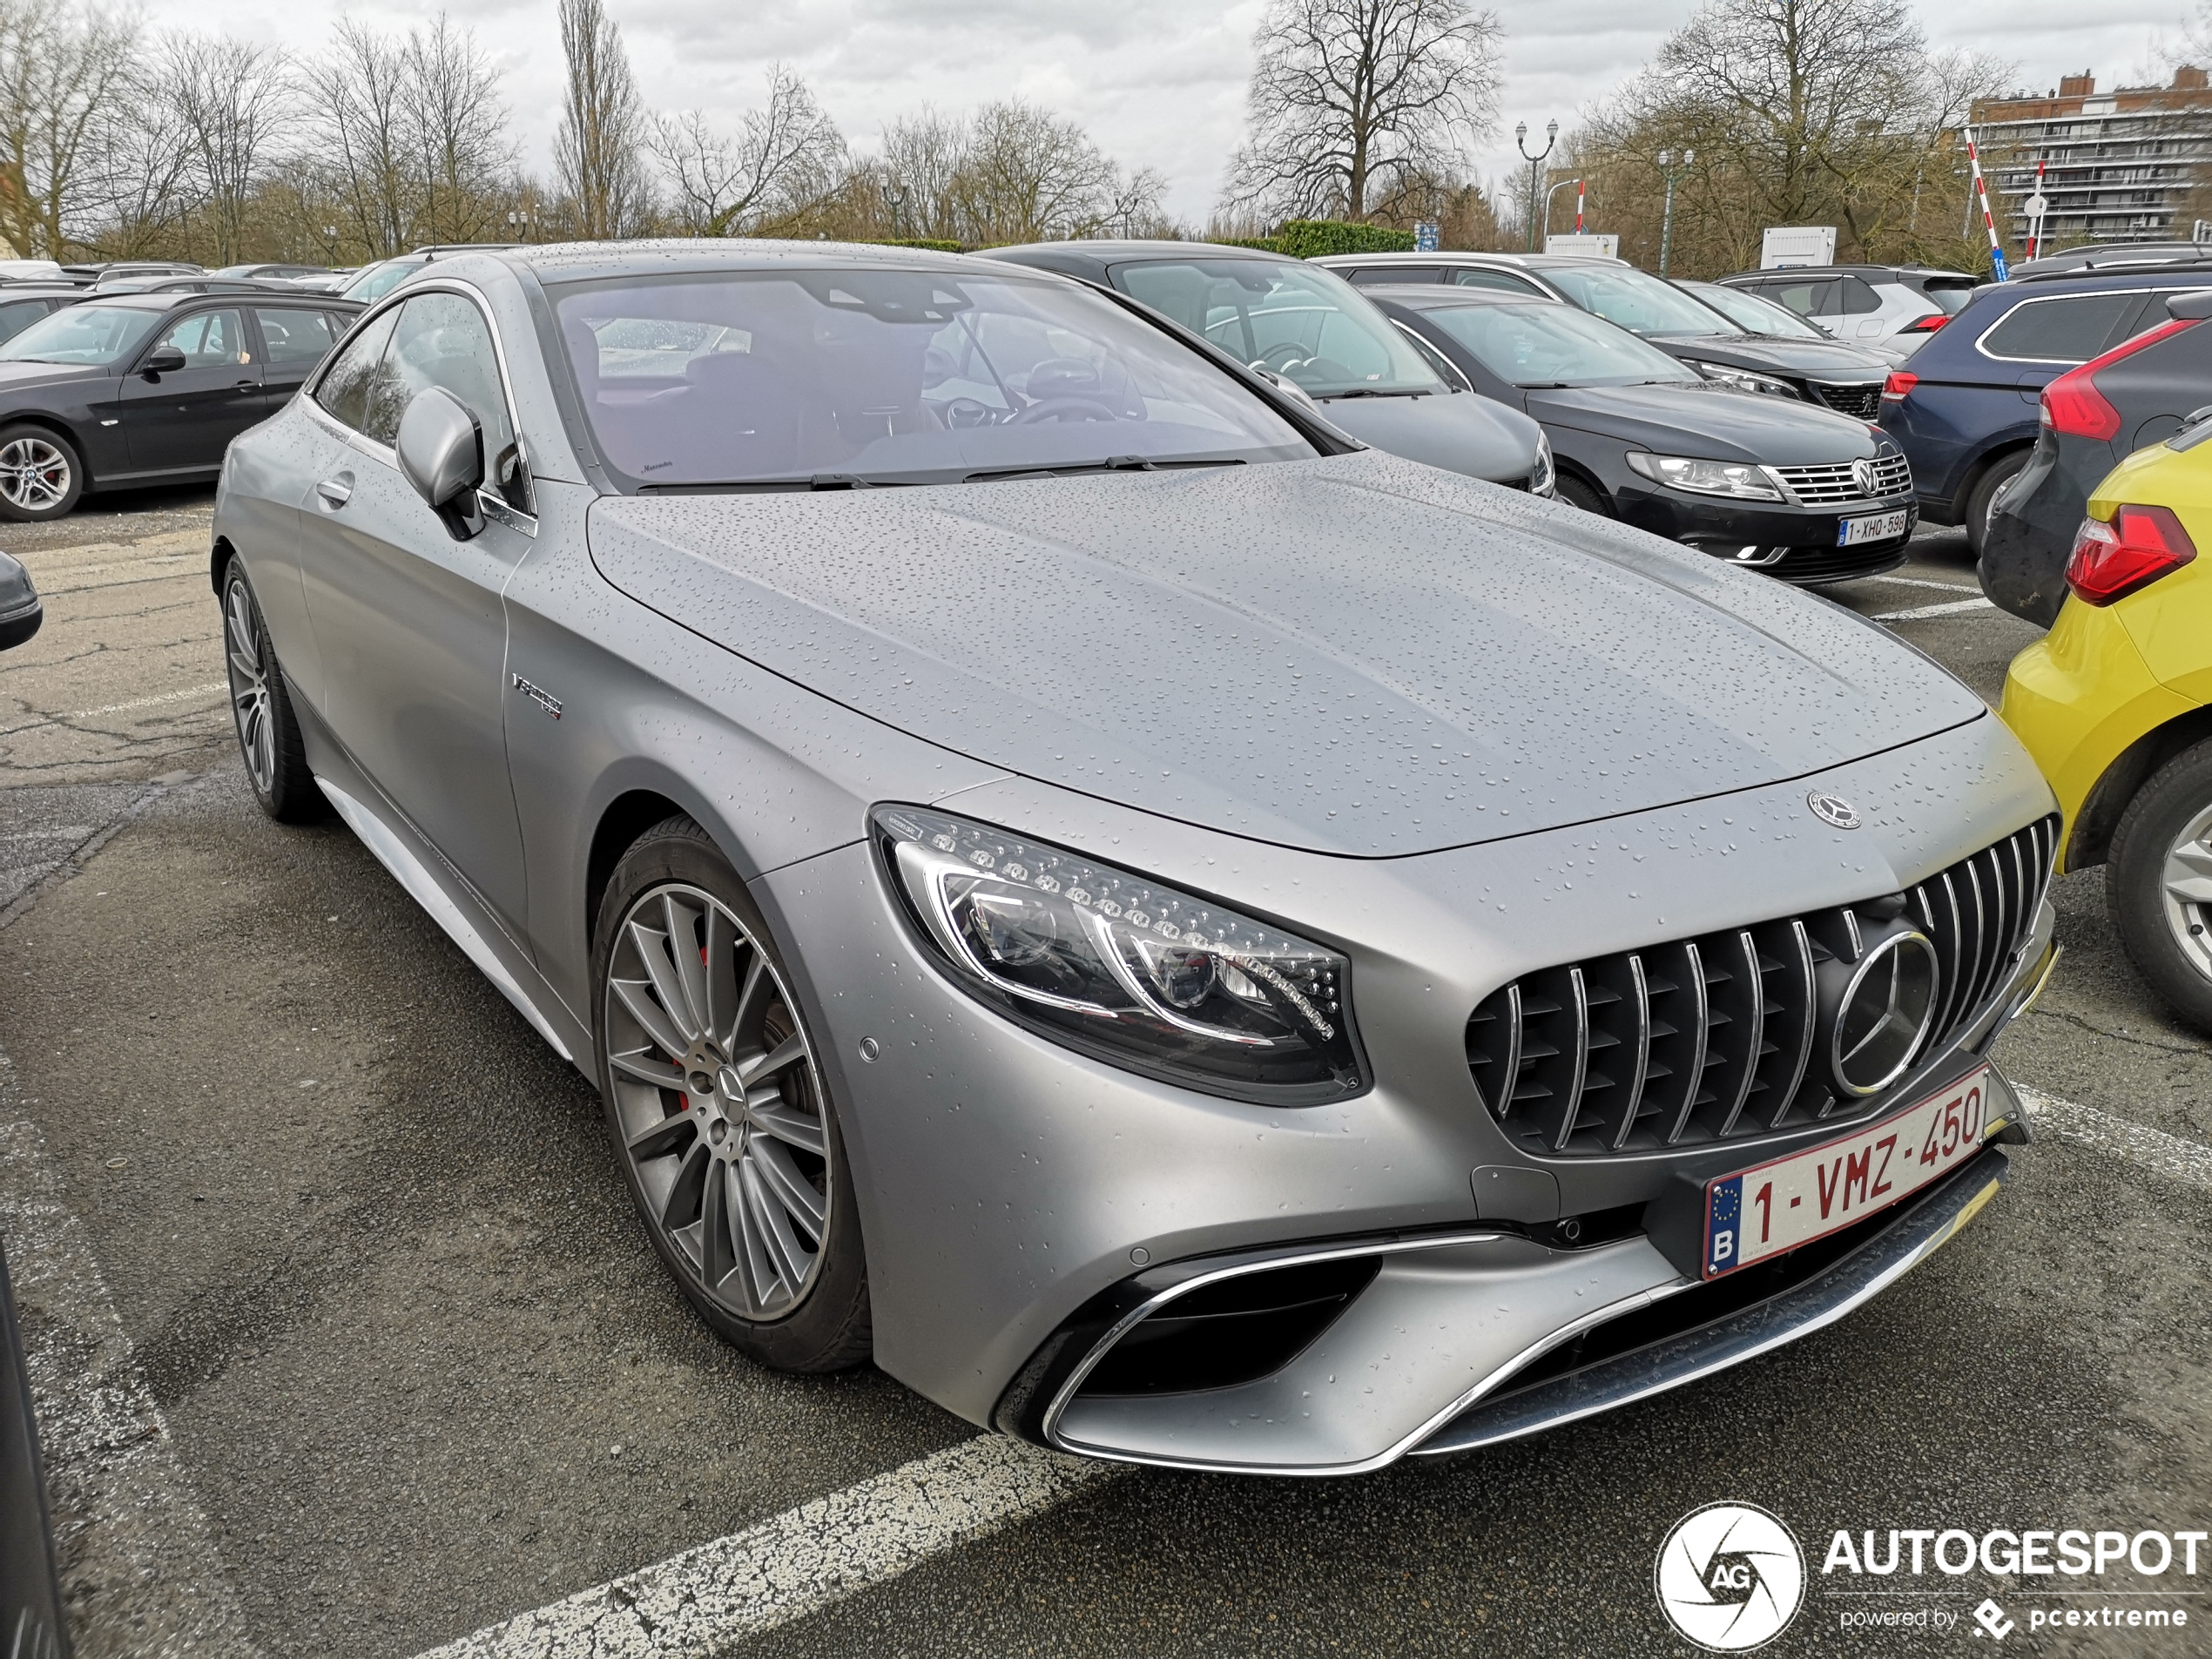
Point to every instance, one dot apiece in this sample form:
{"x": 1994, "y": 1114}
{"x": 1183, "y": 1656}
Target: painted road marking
{"x": 208, "y": 689}
{"x": 1922, "y": 581}
{"x": 1953, "y": 609}
{"x": 797, "y": 1563}
{"x": 2168, "y": 1155}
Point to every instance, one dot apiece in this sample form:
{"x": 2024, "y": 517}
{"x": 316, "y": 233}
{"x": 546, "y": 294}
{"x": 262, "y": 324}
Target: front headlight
{"x": 1705, "y": 478}
{"x": 1766, "y": 385}
{"x": 1542, "y": 477}
{"x": 1130, "y": 971}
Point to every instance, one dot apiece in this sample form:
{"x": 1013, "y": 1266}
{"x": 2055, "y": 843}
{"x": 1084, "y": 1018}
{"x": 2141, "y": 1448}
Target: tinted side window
{"x": 1378, "y": 276}
{"x": 442, "y": 339}
{"x": 1806, "y": 299}
{"x": 1858, "y": 296}
{"x": 209, "y": 339}
{"x": 348, "y": 386}
{"x": 14, "y": 319}
{"x": 2072, "y": 330}
{"x": 299, "y": 338}
{"x": 1473, "y": 278}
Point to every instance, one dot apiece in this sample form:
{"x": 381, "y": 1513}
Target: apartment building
{"x": 2119, "y": 166}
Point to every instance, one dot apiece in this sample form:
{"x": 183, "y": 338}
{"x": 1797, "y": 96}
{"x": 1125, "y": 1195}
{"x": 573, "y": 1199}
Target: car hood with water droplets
{"x": 1357, "y": 654}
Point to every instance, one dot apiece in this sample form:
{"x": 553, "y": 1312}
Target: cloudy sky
{"x": 1158, "y": 82}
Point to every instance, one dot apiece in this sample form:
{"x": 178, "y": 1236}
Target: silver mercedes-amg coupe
{"x": 1175, "y": 935}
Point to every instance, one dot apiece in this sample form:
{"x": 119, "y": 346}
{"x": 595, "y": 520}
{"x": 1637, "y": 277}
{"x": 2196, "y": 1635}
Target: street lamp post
{"x": 1670, "y": 173}
{"x": 895, "y": 196}
{"x": 1552, "y": 192}
{"x": 1521, "y": 143}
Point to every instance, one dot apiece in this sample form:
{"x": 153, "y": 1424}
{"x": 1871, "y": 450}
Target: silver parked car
{"x": 1176, "y": 934}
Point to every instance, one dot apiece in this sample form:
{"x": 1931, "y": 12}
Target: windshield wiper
{"x": 763, "y": 486}
{"x": 1112, "y": 463}
{"x": 1376, "y": 391}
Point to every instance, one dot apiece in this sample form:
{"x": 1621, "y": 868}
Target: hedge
{"x": 933, "y": 244}
{"x": 1307, "y": 238}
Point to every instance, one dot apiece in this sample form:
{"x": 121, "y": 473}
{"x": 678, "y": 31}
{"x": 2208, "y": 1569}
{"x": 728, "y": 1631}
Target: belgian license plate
{"x": 1879, "y": 527}
{"x": 1764, "y": 1212}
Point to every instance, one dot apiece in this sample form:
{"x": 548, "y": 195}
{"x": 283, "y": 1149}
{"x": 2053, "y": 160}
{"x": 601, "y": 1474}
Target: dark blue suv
{"x": 1964, "y": 408}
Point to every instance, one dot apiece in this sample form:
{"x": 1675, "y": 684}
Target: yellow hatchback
{"x": 2115, "y": 704}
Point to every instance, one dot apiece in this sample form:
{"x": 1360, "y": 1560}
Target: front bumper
{"x": 1006, "y": 1183}
{"x": 1795, "y": 544}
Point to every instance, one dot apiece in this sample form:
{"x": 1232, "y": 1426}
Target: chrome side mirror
{"x": 441, "y": 454}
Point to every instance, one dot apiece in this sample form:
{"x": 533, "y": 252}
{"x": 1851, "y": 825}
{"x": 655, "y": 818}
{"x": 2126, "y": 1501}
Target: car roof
{"x": 2146, "y": 268}
{"x": 1431, "y": 296}
{"x": 682, "y": 256}
{"x": 1527, "y": 261}
{"x": 1785, "y": 272}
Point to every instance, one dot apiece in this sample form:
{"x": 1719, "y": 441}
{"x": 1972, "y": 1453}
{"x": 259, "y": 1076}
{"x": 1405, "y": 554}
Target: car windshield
{"x": 833, "y": 377}
{"x": 84, "y": 333}
{"x": 1639, "y": 302}
{"x": 1308, "y": 324}
{"x": 1760, "y": 316}
{"x": 1551, "y": 345}
{"x": 379, "y": 280}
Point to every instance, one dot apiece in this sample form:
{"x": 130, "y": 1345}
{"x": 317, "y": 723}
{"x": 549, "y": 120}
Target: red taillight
{"x": 2072, "y": 405}
{"x": 1927, "y": 325}
{"x": 2140, "y": 545}
{"x": 1899, "y": 386}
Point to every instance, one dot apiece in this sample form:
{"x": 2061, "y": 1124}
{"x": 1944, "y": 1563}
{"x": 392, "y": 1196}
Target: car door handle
{"x": 246, "y": 385}
{"x": 335, "y": 492}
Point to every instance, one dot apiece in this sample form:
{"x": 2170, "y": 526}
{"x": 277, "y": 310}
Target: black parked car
{"x": 2139, "y": 393}
{"x": 147, "y": 388}
{"x": 1825, "y": 372}
{"x": 20, "y": 612}
{"x": 1802, "y": 493}
{"x": 1307, "y": 330}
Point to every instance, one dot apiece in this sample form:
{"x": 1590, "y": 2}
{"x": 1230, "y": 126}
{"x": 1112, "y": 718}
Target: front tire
{"x": 268, "y": 729}
{"x": 1575, "y": 492}
{"x": 42, "y": 477}
{"x": 719, "y": 1113}
{"x": 2158, "y": 887}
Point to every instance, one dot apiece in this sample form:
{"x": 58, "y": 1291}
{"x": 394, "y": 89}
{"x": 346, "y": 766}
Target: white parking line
{"x": 2189, "y": 1162}
{"x": 797, "y": 1563}
{"x": 1922, "y": 581}
{"x": 1952, "y": 609}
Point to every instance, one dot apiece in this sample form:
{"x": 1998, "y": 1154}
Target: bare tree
{"x": 230, "y": 102}
{"x": 1027, "y": 175}
{"x": 922, "y": 156}
{"x": 599, "y": 150}
{"x": 358, "y": 90}
{"x": 456, "y": 132}
{"x": 1351, "y": 100}
{"x": 61, "y": 70}
{"x": 788, "y": 156}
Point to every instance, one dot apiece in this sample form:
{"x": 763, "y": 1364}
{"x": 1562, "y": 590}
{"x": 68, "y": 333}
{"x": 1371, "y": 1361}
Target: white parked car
{"x": 1864, "y": 304}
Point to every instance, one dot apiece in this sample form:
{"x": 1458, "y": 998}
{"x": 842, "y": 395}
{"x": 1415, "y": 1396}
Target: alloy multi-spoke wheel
{"x": 2185, "y": 891}
{"x": 719, "y": 1101}
{"x": 269, "y": 739}
{"x": 249, "y": 677}
{"x": 2159, "y": 885}
{"x": 40, "y": 476}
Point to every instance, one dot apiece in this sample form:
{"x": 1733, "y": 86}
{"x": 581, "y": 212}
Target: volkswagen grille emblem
{"x": 1862, "y": 472}
{"x": 1832, "y": 810}
{"x": 1884, "y": 1013}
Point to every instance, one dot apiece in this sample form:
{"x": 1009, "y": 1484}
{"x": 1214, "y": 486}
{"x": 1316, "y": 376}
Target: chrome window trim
{"x": 2046, "y": 299}
{"x": 494, "y": 506}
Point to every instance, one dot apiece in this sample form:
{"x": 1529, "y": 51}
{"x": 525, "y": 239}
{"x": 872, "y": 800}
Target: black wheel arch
{"x": 2091, "y": 841}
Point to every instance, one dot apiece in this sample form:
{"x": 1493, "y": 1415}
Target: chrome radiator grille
{"x": 1712, "y": 1038}
{"x": 1861, "y": 402}
{"x": 1825, "y": 486}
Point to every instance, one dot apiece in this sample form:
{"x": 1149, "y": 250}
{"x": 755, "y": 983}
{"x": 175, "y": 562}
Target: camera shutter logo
{"x": 1730, "y": 1577}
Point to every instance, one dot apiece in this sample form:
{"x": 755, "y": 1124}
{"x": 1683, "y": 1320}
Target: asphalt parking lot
{"x": 346, "y": 1341}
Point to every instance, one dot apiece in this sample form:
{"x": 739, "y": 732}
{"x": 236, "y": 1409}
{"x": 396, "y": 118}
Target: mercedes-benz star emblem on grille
{"x": 1885, "y": 1010}
{"x": 1832, "y": 810}
{"x": 1862, "y": 472}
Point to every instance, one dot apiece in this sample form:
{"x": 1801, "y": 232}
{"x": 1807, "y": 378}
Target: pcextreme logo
{"x": 1730, "y": 1577}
